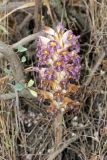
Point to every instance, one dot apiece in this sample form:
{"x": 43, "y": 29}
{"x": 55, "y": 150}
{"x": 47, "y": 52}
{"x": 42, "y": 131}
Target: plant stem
{"x": 58, "y": 130}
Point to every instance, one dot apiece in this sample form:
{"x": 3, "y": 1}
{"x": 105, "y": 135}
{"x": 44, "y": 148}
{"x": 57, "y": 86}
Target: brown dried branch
{"x": 7, "y": 96}
{"x": 95, "y": 68}
{"x": 25, "y": 94}
{"x": 26, "y": 5}
{"x": 10, "y": 6}
{"x": 62, "y": 146}
{"x": 14, "y": 61}
{"x": 37, "y": 13}
{"x": 26, "y": 40}
{"x": 58, "y": 130}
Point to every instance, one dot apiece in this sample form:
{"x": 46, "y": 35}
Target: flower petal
{"x": 49, "y": 31}
{"x": 44, "y": 40}
{"x": 60, "y": 28}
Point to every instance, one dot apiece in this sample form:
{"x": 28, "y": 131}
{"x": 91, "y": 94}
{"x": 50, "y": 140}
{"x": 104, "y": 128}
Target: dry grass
{"x": 26, "y": 130}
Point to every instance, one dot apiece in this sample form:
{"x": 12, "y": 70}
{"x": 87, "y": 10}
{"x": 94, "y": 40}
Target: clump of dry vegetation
{"x": 26, "y": 129}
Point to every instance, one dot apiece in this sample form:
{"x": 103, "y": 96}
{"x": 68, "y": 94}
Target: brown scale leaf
{"x": 73, "y": 88}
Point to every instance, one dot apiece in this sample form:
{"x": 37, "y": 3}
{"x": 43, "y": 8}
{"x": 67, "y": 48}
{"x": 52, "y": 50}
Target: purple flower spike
{"x": 58, "y": 62}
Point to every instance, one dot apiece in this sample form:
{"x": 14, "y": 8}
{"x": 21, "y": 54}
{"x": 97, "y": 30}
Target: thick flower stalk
{"x": 58, "y": 66}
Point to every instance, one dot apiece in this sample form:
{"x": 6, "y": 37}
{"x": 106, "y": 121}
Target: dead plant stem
{"x": 58, "y": 130}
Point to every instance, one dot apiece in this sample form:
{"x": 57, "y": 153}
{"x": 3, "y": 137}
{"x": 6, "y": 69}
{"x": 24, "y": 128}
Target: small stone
{"x": 102, "y": 72}
{"x": 80, "y": 125}
{"x": 40, "y": 114}
{"x": 75, "y": 118}
{"x": 40, "y": 153}
{"x": 73, "y": 134}
{"x": 29, "y": 157}
{"x": 29, "y": 124}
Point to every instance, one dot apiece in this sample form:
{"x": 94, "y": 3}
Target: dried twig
{"x": 14, "y": 61}
{"x": 95, "y": 68}
{"x": 11, "y": 5}
{"x": 25, "y": 21}
{"x": 7, "y": 96}
{"x": 58, "y": 130}
{"x": 49, "y": 11}
{"x": 25, "y": 94}
{"x": 26, "y": 40}
{"x": 26, "y": 5}
{"x": 62, "y": 146}
{"x": 38, "y": 5}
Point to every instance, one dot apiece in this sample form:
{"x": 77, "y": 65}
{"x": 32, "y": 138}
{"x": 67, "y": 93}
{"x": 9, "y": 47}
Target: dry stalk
{"x": 14, "y": 61}
{"x": 58, "y": 130}
{"x": 38, "y": 5}
{"x": 60, "y": 148}
{"x": 95, "y": 69}
{"x": 26, "y": 5}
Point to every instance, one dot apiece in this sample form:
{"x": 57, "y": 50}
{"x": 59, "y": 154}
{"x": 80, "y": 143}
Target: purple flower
{"x": 65, "y": 55}
{"x": 58, "y": 65}
{"x": 74, "y": 40}
{"x": 73, "y": 71}
{"x": 69, "y": 68}
{"x": 53, "y": 46}
{"x": 44, "y": 55}
{"x": 50, "y": 74}
{"x": 75, "y": 58}
{"x": 69, "y": 38}
{"x": 77, "y": 48}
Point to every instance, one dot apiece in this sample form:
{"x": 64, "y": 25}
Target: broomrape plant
{"x": 58, "y": 67}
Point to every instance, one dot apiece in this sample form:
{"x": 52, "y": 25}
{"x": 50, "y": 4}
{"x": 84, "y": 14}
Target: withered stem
{"x": 58, "y": 130}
